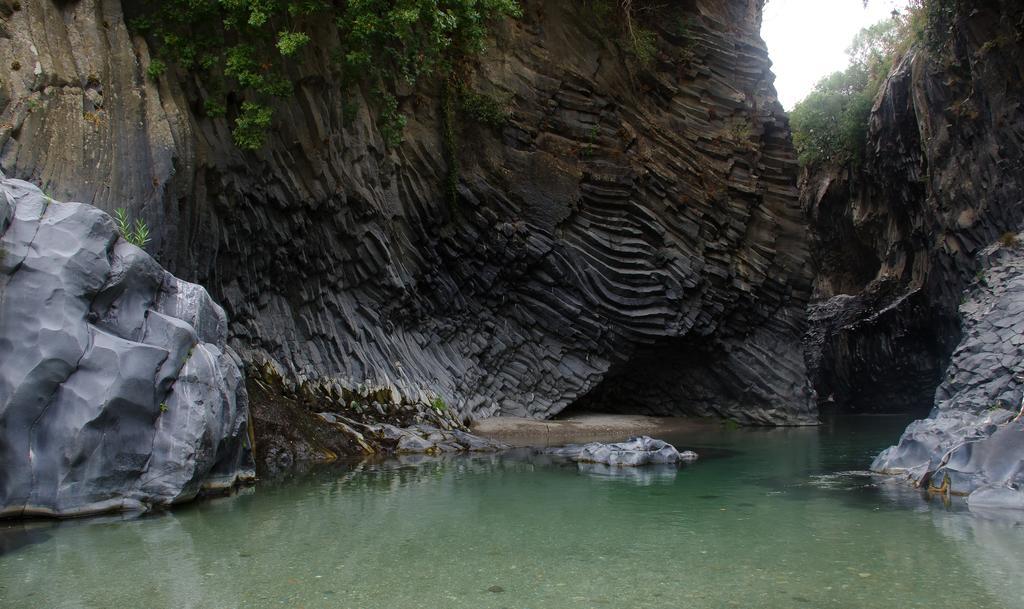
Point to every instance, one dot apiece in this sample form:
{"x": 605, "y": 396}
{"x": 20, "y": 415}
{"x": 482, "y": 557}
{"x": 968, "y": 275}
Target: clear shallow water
{"x": 768, "y": 519}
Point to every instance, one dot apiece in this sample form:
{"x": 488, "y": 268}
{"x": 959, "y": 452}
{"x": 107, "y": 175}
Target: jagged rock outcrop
{"x": 117, "y": 388}
{"x": 632, "y": 235}
{"x": 973, "y": 441}
{"x": 896, "y": 236}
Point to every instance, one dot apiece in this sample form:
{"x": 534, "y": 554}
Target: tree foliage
{"x": 246, "y": 47}
{"x": 830, "y": 125}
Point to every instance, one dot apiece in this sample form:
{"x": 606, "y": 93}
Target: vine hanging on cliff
{"x": 624, "y": 16}
{"x": 252, "y": 48}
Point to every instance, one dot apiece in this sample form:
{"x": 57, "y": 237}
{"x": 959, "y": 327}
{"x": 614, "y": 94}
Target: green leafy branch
{"x": 830, "y": 125}
{"x": 252, "y": 47}
{"x": 136, "y": 233}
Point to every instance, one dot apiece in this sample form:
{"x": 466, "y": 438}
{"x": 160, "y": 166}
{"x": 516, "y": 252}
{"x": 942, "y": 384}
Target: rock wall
{"x": 973, "y": 441}
{"x": 896, "y": 238}
{"x": 628, "y": 213}
{"x": 117, "y": 390}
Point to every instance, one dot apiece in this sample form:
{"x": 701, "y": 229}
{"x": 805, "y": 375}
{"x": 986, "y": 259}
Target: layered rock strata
{"x": 117, "y": 388}
{"x": 973, "y": 442}
{"x": 632, "y": 235}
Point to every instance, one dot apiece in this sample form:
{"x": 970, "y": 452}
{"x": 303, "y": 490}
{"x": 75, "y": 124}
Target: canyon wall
{"x": 631, "y": 239}
{"x": 896, "y": 236}
{"x": 971, "y": 443}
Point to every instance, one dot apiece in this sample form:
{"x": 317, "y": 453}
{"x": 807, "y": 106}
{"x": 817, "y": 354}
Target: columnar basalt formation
{"x": 117, "y": 390}
{"x": 896, "y": 236}
{"x": 973, "y": 442}
{"x": 631, "y": 237}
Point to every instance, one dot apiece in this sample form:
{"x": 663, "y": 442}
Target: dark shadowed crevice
{"x": 844, "y": 263}
{"x": 675, "y": 377}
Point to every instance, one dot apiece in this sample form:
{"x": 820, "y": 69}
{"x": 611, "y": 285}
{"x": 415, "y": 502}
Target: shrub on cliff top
{"x": 254, "y": 47}
{"x": 830, "y": 125}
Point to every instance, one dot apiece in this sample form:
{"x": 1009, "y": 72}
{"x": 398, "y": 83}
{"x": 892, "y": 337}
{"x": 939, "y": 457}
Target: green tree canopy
{"x": 830, "y": 124}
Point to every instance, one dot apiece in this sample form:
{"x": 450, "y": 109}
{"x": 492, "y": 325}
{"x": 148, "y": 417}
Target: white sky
{"x": 807, "y": 39}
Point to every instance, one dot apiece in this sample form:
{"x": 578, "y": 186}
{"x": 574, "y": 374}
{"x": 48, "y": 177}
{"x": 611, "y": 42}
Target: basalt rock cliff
{"x": 896, "y": 236}
{"x": 632, "y": 239}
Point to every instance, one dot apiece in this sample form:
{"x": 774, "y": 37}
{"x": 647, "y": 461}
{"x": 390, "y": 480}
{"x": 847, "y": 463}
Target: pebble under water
{"x": 768, "y": 518}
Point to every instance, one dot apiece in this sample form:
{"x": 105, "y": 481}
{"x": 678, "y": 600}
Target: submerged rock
{"x": 642, "y": 450}
{"x": 973, "y": 441}
{"x": 117, "y": 390}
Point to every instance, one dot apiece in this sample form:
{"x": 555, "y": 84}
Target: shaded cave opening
{"x": 891, "y": 366}
{"x": 671, "y": 378}
{"x": 694, "y": 378}
{"x": 844, "y": 262}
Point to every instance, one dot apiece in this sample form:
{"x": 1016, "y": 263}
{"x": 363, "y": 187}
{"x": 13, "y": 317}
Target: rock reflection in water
{"x": 642, "y": 476}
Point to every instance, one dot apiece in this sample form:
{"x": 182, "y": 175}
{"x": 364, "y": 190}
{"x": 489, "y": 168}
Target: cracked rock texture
{"x": 896, "y": 238}
{"x": 632, "y": 236}
{"x": 973, "y": 442}
{"x": 117, "y": 390}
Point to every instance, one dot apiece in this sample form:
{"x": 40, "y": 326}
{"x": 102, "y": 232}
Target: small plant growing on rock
{"x": 589, "y": 147}
{"x": 740, "y": 131}
{"x": 481, "y": 108}
{"x": 288, "y": 43}
{"x": 643, "y": 45}
{"x": 213, "y": 108}
{"x": 156, "y": 69}
{"x": 251, "y": 126}
{"x": 250, "y": 48}
{"x": 93, "y": 118}
{"x": 391, "y": 122}
{"x": 136, "y": 233}
{"x": 1009, "y": 239}
{"x": 438, "y": 404}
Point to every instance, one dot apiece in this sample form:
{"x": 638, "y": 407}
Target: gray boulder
{"x": 117, "y": 391}
{"x": 429, "y": 439}
{"x": 642, "y": 450}
{"x": 972, "y": 443}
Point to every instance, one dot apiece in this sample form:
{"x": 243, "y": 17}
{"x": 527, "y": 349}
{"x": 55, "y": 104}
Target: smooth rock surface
{"x": 117, "y": 389}
{"x": 973, "y": 441}
{"x": 642, "y": 450}
{"x": 632, "y": 235}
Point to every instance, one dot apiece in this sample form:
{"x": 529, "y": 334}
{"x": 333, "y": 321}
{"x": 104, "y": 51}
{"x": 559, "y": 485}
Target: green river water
{"x": 775, "y": 518}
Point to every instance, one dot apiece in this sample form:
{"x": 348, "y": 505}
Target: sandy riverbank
{"x": 584, "y": 427}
